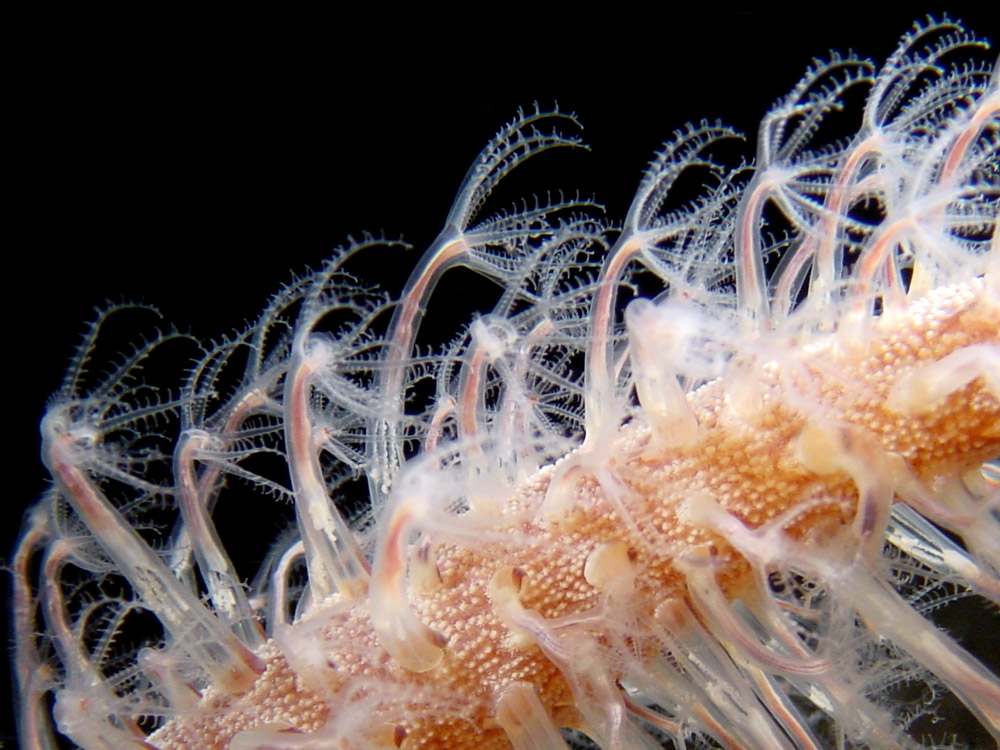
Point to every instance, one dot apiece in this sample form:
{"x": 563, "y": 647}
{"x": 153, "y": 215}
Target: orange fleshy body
{"x": 749, "y": 464}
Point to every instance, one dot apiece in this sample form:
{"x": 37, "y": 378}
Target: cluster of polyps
{"x": 724, "y": 532}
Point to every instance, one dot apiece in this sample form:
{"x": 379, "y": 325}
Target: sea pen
{"x": 707, "y": 512}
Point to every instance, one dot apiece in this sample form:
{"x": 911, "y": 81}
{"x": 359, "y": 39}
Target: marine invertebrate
{"x": 718, "y": 532}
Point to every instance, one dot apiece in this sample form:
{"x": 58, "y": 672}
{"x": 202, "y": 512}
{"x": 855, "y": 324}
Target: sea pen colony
{"x": 696, "y": 481}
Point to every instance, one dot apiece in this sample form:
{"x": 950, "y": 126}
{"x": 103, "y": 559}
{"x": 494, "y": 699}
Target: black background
{"x": 194, "y": 161}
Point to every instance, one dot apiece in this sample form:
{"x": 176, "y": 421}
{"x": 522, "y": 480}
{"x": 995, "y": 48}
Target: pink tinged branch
{"x": 231, "y": 664}
{"x": 335, "y": 562}
{"x": 408, "y": 640}
{"x": 224, "y": 589}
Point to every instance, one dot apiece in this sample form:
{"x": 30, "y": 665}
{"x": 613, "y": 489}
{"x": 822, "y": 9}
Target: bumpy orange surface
{"x": 755, "y": 428}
